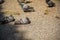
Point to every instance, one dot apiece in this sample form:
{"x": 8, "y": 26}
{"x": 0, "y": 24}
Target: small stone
{"x": 46, "y": 12}
{"x": 57, "y": 17}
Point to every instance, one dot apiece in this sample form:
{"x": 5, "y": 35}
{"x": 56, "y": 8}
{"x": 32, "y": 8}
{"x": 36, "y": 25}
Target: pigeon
{"x": 50, "y": 3}
{"x": 23, "y": 21}
{"x": 1, "y": 1}
{"x": 7, "y": 19}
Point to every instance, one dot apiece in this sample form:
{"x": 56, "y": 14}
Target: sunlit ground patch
{"x": 9, "y": 12}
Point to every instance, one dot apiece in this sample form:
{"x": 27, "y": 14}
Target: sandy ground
{"x": 42, "y": 27}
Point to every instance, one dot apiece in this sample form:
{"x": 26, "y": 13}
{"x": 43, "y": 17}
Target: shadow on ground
{"x": 9, "y": 32}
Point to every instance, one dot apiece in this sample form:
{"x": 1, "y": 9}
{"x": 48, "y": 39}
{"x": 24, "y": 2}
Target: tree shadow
{"x": 10, "y": 32}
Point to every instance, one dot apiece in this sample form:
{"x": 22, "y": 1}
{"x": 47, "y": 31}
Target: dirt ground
{"x": 42, "y": 27}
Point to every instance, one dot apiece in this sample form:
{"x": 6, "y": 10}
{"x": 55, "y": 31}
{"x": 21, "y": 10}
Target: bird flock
{"x": 26, "y": 8}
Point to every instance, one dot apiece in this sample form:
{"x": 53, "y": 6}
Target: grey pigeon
{"x": 50, "y": 3}
{"x": 23, "y": 21}
{"x": 27, "y": 8}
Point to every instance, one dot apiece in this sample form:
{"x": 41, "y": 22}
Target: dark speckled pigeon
{"x": 1, "y": 1}
{"x": 7, "y": 19}
{"x": 50, "y": 3}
